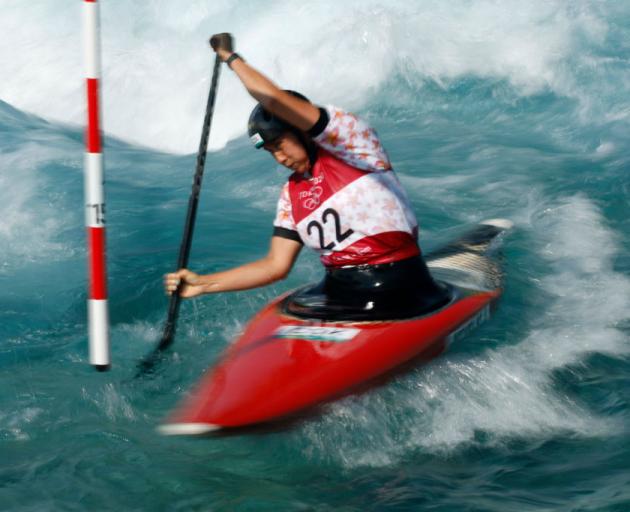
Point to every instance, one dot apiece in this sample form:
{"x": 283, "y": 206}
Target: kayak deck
{"x": 283, "y": 364}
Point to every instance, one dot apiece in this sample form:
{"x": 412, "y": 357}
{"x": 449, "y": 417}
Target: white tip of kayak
{"x": 187, "y": 429}
{"x": 499, "y": 223}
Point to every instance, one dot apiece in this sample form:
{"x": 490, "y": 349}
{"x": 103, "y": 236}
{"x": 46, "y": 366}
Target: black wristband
{"x": 232, "y": 58}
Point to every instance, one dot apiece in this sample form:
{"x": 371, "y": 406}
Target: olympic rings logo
{"x": 313, "y": 199}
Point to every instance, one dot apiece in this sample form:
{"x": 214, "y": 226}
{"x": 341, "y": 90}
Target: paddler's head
{"x": 289, "y": 146}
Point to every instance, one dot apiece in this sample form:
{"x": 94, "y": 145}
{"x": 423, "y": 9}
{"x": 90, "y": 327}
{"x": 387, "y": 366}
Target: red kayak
{"x": 283, "y": 364}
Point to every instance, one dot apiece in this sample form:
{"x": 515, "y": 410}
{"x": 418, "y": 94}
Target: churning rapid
{"x": 487, "y": 109}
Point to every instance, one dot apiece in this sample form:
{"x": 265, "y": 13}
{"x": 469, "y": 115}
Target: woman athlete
{"x": 342, "y": 199}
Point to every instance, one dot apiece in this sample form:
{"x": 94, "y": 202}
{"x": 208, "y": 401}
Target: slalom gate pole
{"x": 94, "y": 195}
{"x": 184, "y": 250}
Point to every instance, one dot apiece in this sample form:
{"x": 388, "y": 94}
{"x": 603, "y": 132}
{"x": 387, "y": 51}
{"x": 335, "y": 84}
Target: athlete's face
{"x": 290, "y": 152}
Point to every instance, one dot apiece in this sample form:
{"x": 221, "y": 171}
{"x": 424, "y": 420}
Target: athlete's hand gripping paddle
{"x": 223, "y": 41}
{"x": 222, "y": 44}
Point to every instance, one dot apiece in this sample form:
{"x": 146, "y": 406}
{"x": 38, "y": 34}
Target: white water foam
{"x": 508, "y": 392}
{"x": 156, "y": 62}
{"x": 140, "y": 330}
{"x": 14, "y": 424}
{"x": 111, "y": 400}
{"x": 29, "y": 224}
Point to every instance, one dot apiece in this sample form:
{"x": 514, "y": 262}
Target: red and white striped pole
{"x": 94, "y": 195}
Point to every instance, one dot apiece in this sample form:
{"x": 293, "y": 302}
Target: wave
{"x": 156, "y": 61}
{"x": 509, "y": 392}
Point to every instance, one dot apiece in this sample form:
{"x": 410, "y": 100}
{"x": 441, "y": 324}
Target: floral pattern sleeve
{"x": 284, "y": 225}
{"x": 353, "y": 140}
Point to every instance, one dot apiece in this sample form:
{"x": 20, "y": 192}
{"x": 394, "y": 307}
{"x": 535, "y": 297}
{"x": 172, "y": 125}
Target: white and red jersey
{"x": 351, "y": 208}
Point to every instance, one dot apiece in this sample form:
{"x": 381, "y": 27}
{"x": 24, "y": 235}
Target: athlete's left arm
{"x": 295, "y": 111}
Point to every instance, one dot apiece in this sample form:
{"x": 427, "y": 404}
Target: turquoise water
{"x": 487, "y": 110}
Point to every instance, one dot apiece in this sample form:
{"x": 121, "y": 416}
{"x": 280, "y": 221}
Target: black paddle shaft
{"x": 189, "y": 225}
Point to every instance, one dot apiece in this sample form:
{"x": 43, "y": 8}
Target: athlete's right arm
{"x": 293, "y": 110}
{"x": 275, "y": 266}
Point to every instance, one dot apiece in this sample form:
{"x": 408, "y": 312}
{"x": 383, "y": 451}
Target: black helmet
{"x": 264, "y": 127}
